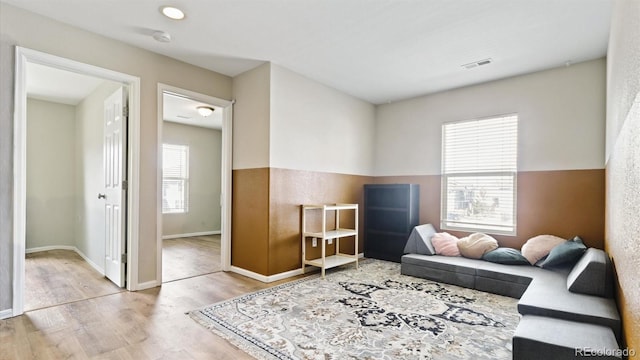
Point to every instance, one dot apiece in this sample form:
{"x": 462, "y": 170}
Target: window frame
{"x": 485, "y": 227}
{"x": 183, "y": 180}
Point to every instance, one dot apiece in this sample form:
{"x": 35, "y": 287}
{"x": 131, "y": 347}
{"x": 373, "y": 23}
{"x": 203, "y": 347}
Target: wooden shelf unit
{"x": 329, "y": 261}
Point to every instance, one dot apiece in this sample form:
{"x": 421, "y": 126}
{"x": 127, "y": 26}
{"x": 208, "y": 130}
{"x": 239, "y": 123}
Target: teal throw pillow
{"x": 507, "y": 256}
{"x": 567, "y": 253}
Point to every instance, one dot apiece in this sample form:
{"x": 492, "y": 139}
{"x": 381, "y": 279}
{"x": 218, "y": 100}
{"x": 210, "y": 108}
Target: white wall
{"x": 623, "y": 162}
{"x": 561, "y": 121}
{"x": 51, "y": 190}
{"x": 251, "y": 118}
{"x": 317, "y": 128}
{"x": 90, "y": 225}
{"x": 623, "y": 80}
{"x": 205, "y": 162}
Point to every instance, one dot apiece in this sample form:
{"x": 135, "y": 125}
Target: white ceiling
{"x": 66, "y": 87}
{"x": 183, "y": 110}
{"x": 57, "y": 85}
{"x": 377, "y": 50}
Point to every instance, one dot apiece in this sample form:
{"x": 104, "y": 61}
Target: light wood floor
{"x": 191, "y": 256}
{"x": 57, "y": 277}
{"x": 149, "y": 324}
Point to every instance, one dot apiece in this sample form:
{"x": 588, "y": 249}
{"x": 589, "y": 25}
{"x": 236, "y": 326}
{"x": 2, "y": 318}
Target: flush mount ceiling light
{"x": 205, "y": 110}
{"x": 172, "y": 12}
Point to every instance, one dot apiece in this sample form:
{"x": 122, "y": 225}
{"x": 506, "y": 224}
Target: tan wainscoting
{"x": 266, "y": 214}
{"x": 250, "y": 220}
{"x": 266, "y": 209}
{"x": 563, "y": 203}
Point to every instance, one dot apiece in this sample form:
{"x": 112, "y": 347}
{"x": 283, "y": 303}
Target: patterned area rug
{"x": 372, "y": 312}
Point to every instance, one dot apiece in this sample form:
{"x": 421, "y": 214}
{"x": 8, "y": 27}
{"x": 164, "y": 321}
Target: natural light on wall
{"x": 479, "y": 171}
{"x": 175, "y": 178}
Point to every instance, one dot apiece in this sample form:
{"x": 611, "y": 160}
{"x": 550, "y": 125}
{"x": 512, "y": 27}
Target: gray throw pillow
{"x": 419, "y": 241}
{"x": 505, "y": 255}
{"x": 567, "y": 253}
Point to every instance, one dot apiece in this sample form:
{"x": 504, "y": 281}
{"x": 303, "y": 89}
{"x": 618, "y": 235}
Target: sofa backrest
{"x": 592, "y": 274}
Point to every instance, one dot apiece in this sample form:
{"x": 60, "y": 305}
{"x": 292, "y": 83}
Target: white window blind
{"x": 479, "y": 171}
{"x": 175, "y": 178}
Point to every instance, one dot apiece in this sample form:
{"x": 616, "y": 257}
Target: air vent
{"x": 477, "y": 63}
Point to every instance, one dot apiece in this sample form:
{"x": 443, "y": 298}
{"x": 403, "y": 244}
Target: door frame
{"x": 226, "y": 171}
{"x": 22, "y": 57}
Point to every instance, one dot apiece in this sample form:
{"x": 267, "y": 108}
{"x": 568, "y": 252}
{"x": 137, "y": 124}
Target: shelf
{"x": 332, "y": 234}
{"x": 332, "y": 261}
{"x": 331, "y": 207}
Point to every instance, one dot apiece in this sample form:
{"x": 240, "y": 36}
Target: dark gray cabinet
{"x": 390, "y": 213}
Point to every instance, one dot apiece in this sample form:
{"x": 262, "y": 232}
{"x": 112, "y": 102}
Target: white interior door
{"x": 115, "y": 184}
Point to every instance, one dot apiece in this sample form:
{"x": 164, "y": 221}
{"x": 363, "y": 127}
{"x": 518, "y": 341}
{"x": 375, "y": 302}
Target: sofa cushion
{"x": 562, "y": 339}
{"x": 445, "y": 244}
{"x": 419, "y": 241}
{"x": 453, "y": 264}
{"x": 592, "y": 274}
{"x": 569, "y": 252}
{"x": 476, "y": 245}
{"x": 547, "y": 295}
{"x": 505, "y": 255}
{"x": 539, "y": 246}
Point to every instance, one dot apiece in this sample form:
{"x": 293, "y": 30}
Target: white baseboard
{"x": 202, "y": 233}
{"x": 90, "y": 262}
{"x": 48, "y": 248}
{"x": 146, "y": 285}
{"x": 249, "y": 274}
{"x": 66, "y": 247}
{"x": 5, "y": 314}
{"x": 277, "y": 277}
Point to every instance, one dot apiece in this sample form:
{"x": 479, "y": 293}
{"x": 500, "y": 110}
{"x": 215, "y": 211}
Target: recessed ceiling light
{"x": 172, "y": 12}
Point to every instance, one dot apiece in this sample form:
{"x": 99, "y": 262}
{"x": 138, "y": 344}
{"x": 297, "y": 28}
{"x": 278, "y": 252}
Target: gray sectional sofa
{"x": 567, "y": 313}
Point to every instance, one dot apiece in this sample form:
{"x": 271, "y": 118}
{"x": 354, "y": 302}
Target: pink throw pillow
{"x": 539, "y": 246}
{"x": 445, "y": 244}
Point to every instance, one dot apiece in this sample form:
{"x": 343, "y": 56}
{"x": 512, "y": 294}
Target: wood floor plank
{"x": 122, "y": 325}
{"x": 61, "y": 276}
{"x": 190, "y": 256}
{"x": 148, "y": 324}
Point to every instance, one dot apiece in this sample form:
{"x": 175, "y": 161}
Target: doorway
{"x": 194, "y": 183}
{"x": 24, "y": 59}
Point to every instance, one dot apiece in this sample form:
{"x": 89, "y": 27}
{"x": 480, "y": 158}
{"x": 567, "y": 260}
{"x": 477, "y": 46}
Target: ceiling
{"x": 60, "y": 86}
{"x": 184, "y": 110}
{"x": 377, "y": 50}
{"x": 66, "y": 87}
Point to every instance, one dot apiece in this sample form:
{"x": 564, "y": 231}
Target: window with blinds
{"x": 479, "y": 171}
{"x": 175, "y": 178}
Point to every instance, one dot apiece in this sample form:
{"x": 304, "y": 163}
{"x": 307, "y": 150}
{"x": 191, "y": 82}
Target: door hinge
{"x": 125, "y": 184}
{"x": 125, "y": 111}
{"x": 123, "y": 258}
